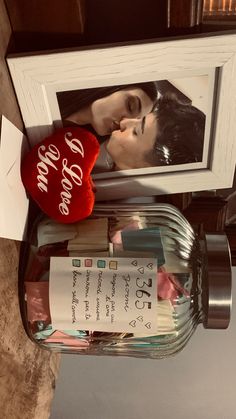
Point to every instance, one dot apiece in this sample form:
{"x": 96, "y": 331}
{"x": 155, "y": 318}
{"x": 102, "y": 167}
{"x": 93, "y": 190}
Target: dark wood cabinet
{"x": 43, "y": 24}
{"x": 184, "y": 13}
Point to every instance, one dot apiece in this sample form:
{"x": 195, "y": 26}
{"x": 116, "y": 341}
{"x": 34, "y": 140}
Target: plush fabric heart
{"x": 56, "y": 173}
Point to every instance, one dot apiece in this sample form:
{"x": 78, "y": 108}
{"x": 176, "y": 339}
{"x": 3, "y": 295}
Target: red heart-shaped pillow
{"x": 56, "y": 173}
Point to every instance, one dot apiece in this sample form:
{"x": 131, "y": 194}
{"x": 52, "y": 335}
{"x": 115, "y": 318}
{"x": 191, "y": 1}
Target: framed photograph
{"x": 191, "y": 146}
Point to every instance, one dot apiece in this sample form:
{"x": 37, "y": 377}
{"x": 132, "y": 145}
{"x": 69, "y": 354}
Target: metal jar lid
{"x": 218, "y": 286}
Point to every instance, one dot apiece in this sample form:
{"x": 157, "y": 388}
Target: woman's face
{"x": 107, "y": 112}
{"x": 129, "y": 145}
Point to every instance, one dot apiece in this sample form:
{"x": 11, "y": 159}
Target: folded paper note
{"x": 14, "y": 202}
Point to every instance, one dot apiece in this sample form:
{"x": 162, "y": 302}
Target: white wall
{"x": 199, "y": 383}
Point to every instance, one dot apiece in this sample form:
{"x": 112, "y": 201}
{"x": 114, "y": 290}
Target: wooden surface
{"x": 184, "y": 13}
{"x": 8, "y": 103}
{"x": 43, "y": 24}
{"x": 27, "y": 373}
{"x": 61, "y": 16}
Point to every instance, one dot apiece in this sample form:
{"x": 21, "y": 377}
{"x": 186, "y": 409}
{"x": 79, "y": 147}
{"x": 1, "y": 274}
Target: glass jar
{"x": 132, "y": 280}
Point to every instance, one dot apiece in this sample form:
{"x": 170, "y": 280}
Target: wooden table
{"x": 27, "y": 373}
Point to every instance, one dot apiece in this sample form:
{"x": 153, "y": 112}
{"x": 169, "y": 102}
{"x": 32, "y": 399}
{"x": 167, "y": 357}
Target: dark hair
{"x": 74, "y": 100}
{"x": 180, "y": 135}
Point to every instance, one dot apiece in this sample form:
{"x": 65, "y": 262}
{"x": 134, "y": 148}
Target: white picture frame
{"x": 38, "y": 77}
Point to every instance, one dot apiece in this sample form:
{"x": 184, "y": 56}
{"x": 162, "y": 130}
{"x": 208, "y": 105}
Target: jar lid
{"x": 218, "y": 282}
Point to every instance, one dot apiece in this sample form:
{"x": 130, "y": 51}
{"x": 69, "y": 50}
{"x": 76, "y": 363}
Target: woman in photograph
{"x": 101, "y": 109}
{"x": 170, "y": 135}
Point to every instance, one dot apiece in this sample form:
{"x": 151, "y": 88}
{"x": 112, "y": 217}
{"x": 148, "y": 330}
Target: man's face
{"x": 129, "y": 145}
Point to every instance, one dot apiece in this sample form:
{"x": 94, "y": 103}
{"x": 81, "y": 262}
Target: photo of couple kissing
{"x": 136, "y": 125}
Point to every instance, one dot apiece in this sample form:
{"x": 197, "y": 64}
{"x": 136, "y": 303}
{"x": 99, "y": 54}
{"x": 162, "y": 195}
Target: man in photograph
{"x": 172, "y": 134}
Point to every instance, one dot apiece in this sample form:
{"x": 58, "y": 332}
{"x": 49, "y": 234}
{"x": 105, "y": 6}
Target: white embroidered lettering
{"x": 75, "y": 144}
{"x": 76, "y": 177}
{"x": 75, "y": 174}
{"x": 45, "y": 161}
{"x": 66, "y": 184}
{"x": 63, "y": 208}
{"x": 52, "y": 154}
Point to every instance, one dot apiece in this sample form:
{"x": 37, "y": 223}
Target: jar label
{"x": 104, "y": 294}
